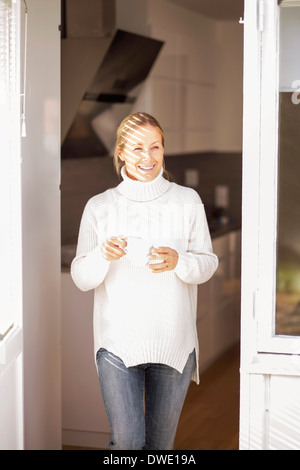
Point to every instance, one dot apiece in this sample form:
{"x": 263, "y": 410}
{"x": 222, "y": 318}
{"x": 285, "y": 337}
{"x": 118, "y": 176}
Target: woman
{"x": 145, "y": 335}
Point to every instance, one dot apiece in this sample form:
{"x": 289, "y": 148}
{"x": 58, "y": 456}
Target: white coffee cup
{"x": 138, "y": 250}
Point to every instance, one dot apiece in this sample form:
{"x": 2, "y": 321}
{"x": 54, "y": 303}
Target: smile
{"x": 146, "y": 168}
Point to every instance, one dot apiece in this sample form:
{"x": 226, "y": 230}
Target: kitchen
{"x": 201, "y": 153}
{"x": 31, "y": 343}
{"x": 200, "y": 62}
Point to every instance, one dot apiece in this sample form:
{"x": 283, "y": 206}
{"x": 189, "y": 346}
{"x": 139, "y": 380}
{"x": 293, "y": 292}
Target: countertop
{"x": 218, "y": 231}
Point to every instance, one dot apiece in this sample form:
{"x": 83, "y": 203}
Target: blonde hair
{"x": 127, "y": 126}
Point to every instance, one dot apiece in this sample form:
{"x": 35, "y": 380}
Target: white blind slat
{"x": 8, "y": 140}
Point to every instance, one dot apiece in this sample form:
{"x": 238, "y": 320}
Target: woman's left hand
{"x": 166, "y": 255}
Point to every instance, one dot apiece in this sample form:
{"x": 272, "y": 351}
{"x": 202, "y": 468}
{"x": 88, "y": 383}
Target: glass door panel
{"x": 287, "y": 317}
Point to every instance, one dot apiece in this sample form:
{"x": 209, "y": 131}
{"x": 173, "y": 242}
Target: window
{"x": 10, "y": 205}
{"x": 278, "y": 295}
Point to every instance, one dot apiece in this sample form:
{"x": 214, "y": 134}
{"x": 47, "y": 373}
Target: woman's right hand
{"x": 112, "y": 249}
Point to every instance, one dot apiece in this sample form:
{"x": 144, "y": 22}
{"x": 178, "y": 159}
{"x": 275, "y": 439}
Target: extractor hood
{"x": 101, "y": 80}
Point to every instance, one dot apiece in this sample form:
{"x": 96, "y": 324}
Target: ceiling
{"x": 227, "y": 10}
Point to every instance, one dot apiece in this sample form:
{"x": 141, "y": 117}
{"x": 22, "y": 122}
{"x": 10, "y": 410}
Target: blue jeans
{"x": 143, "y": 403}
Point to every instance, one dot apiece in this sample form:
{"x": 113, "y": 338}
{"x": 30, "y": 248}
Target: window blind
{"x": 9, "y": 168}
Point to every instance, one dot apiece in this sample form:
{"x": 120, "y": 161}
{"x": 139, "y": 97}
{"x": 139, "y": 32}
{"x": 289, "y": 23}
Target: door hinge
{"x": 261, "y": 15}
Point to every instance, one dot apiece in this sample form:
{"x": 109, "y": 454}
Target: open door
{"x": 270, "y": 360}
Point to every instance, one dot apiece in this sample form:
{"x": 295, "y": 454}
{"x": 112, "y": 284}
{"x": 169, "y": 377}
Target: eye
{"x": 155, "y": 147}
{"x": 138, "y": 149}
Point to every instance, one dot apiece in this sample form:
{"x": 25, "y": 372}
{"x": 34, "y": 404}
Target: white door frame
{"x": 269, "y": 363}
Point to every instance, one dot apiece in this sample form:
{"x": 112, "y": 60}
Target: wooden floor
{"x": 210, "y": 416}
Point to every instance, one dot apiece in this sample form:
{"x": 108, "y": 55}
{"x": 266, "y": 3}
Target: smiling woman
{"x": 140, "y": 141}
{"x": 145, "y": 336}
{"x": 140, "y": 146}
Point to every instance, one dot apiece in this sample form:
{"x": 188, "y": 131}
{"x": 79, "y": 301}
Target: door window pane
{"x": 288, "y": 233}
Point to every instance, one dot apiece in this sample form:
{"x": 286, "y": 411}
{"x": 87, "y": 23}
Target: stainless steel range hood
{"x": 101, "y": 80}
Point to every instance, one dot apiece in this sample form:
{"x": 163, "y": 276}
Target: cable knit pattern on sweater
{"x": 138, "y": 315}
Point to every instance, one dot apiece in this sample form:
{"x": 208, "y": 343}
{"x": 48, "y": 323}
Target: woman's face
{"x": 143, "y": 153}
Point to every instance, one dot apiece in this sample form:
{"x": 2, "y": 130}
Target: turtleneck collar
{"x": 142, "y": 191}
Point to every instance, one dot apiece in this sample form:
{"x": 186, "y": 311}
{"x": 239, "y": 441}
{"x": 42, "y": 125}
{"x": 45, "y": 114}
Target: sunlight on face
{"x": 143, "y": 153}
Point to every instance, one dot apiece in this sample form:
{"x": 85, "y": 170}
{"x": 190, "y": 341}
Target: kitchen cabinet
{"x": 172, "y": 91}
{"x": 185, "y": 91}
{"x": 218, "y": 313}
{"x": 84, "y": 418}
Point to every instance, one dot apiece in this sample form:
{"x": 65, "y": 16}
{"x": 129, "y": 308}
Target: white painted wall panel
{"x": 41, "y": 229}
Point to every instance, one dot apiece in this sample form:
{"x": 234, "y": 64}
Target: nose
{"x": 146, "y": 155}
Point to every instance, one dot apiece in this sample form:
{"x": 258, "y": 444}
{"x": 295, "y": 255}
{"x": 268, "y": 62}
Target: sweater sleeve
{"x": 198, "y": 263}
{"x": 89, "y": 267}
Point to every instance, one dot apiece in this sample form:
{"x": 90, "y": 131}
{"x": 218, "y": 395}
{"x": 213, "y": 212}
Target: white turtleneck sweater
{"x": 140, "y": 316}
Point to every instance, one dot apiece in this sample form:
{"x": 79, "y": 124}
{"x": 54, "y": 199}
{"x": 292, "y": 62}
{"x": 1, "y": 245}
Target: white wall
{"x": 41, "y": 229}
{"x": 229, "y": 89}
